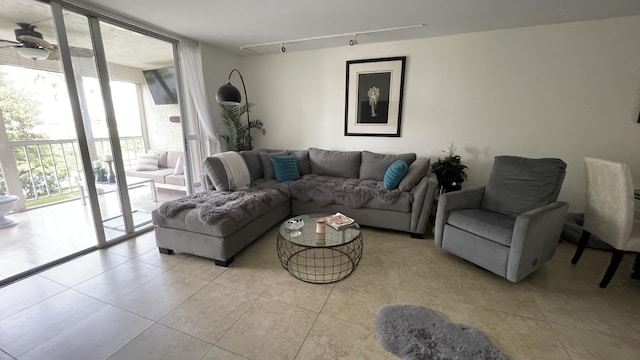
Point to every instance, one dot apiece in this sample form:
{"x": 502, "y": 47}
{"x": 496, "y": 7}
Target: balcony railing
{"x": 48, "y": 168}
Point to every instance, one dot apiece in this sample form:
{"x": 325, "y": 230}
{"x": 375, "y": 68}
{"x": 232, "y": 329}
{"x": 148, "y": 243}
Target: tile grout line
{"x": 236, "y": 320}
{"x": 314, "y": 321}
{"x": 157, "y": 322}
{"x": 555, "y": 333}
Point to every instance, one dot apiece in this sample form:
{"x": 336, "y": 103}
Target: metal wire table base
{"x": 317, "y": 264}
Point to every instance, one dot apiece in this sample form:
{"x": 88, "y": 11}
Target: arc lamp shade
{"x": 228, "y": 95}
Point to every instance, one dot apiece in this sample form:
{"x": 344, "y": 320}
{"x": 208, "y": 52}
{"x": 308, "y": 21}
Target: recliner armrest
{"x": 457, "y": 200}
{"x": 535, "y": 237}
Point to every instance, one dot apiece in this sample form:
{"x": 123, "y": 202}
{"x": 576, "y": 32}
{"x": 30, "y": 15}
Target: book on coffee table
{"x": 339, "y": 221}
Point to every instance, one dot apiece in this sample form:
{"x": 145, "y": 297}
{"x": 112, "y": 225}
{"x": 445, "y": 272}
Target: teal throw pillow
{"x": 394, "y": 174}
{"x": 285, "y": 167}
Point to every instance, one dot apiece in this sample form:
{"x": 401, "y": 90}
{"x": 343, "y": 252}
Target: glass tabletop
{"x": 307, "y": 236}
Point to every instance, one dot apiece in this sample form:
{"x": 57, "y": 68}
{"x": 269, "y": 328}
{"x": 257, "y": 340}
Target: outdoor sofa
{"x": 166, "y": 172}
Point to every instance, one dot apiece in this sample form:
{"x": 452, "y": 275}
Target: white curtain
{"x": 191, "y": 66}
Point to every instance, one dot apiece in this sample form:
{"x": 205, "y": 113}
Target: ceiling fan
{"x": 30, "y": 44}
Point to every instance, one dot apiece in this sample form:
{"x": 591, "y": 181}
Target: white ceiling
{"x": 231, "y": 24}
{"x": 122, "y": 46}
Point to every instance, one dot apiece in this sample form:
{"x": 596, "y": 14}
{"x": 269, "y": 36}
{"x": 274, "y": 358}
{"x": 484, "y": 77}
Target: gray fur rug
{"x": 415, "y": 332}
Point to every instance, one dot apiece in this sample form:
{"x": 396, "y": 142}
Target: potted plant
{"x": 238, "y": 135}
{"x": 449, "y": 171}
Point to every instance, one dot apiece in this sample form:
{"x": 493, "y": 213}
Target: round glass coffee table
{"x": 318, "y": 258}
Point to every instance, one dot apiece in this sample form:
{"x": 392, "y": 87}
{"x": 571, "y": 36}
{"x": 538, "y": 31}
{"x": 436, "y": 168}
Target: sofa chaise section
{"x": 218, "y": 224}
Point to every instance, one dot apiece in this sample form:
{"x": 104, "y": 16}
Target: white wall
{"x": 568, "y": 91}
{"x": 217, "y": 65}
{"x": 162, "y": 134}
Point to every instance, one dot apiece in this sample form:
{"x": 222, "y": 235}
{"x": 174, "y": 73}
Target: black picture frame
{"x": 373, "y": 96}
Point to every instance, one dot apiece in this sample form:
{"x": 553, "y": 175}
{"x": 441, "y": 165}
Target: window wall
{"x": 69, "y": 118}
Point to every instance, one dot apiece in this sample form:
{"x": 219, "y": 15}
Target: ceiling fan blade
{"x": 38, "y": 41}
{"x": 81, "y": 52}
{"x": 9, "y": 43}
{"x": 54, "y": 54}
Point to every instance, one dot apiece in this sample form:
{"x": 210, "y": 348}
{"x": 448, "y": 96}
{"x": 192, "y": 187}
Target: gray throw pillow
{"x": 214, "y": 168}
{"x": 267, "y": 165}
{"x": 417, "y": 170}
{"x": 254, "y": 164}
{"x": 344, "y": 164}
{"x": 302, "y": 160}
{"x": 519, "y": 184}
{"x": 374, "y": 165}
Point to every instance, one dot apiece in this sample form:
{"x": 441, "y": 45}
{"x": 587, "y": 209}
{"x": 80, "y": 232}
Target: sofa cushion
{"x": 345, "y": 164}
{"x": 162, "y": 157}
{"x": 215, "y": 170}
{"x": 374, "y": 165}
{"x": 487, "y": 224}
{"x": 174, "y": 180}
{"x": 267, "y": 165}
{"x": 158, "y": 176}
{"x": 147, "y": 162}
{"x": 394, "y": 174}
{"x": 518, "y": 184}
{"x": 172, "y": 158}
{"x": 302, "y": 159}
{"x": 285, "y": 168}
{"x": 179, "y": 168}
{"x": 417, "y": 170}
{"x": 254, "y": 164}
{"x": 227, "y": 171}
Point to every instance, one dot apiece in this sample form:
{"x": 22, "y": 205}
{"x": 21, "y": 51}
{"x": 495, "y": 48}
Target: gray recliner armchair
{"x": 512, "y": 225}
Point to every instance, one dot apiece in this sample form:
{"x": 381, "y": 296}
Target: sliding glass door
{"x": 147, "y": 112}
{"x": 40, "y": 149}
{"x": 124, "y": 121}
{"x": 78, "y": 108}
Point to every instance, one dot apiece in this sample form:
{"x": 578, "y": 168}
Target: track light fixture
{"x": 352, "y": 42}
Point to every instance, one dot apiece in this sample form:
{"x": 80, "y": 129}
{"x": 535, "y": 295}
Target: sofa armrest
{"x": 457, "y": 200}
{"x": 207, "y": 184}
{"x": 423, "y": 194}
{"x": 535, "y": 237}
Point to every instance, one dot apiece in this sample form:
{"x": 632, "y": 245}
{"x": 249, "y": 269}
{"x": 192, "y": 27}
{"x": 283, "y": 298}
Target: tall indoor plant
{"x": 238, "y": 135}
{"x": 449, "y": 171}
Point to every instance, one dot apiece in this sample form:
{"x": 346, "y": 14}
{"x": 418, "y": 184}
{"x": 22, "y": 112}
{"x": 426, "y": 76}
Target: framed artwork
{"x": 373, "y": 105}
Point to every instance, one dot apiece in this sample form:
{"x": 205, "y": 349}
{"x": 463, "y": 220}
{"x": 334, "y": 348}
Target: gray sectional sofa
{"x": 217, "y": 223}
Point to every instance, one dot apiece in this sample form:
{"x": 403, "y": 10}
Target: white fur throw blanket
{"x": 236, "y": 169}
{"x": 215, "y": 205}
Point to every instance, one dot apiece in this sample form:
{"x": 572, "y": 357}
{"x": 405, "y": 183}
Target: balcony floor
{"x": 50, "y": 232}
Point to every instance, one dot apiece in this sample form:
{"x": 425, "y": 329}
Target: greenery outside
{"x": 20, "y": 112}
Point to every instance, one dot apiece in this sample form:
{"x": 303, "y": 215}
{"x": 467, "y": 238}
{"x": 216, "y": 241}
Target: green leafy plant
{"x": 450, "y": 171}
{"x": 238, "y": 136}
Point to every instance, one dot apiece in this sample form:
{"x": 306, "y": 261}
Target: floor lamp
{"x": 229, "y": 95}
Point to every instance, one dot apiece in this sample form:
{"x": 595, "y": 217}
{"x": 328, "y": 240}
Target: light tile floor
{"x": 130, "y": 302}
{"x": 51, "y": 232}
